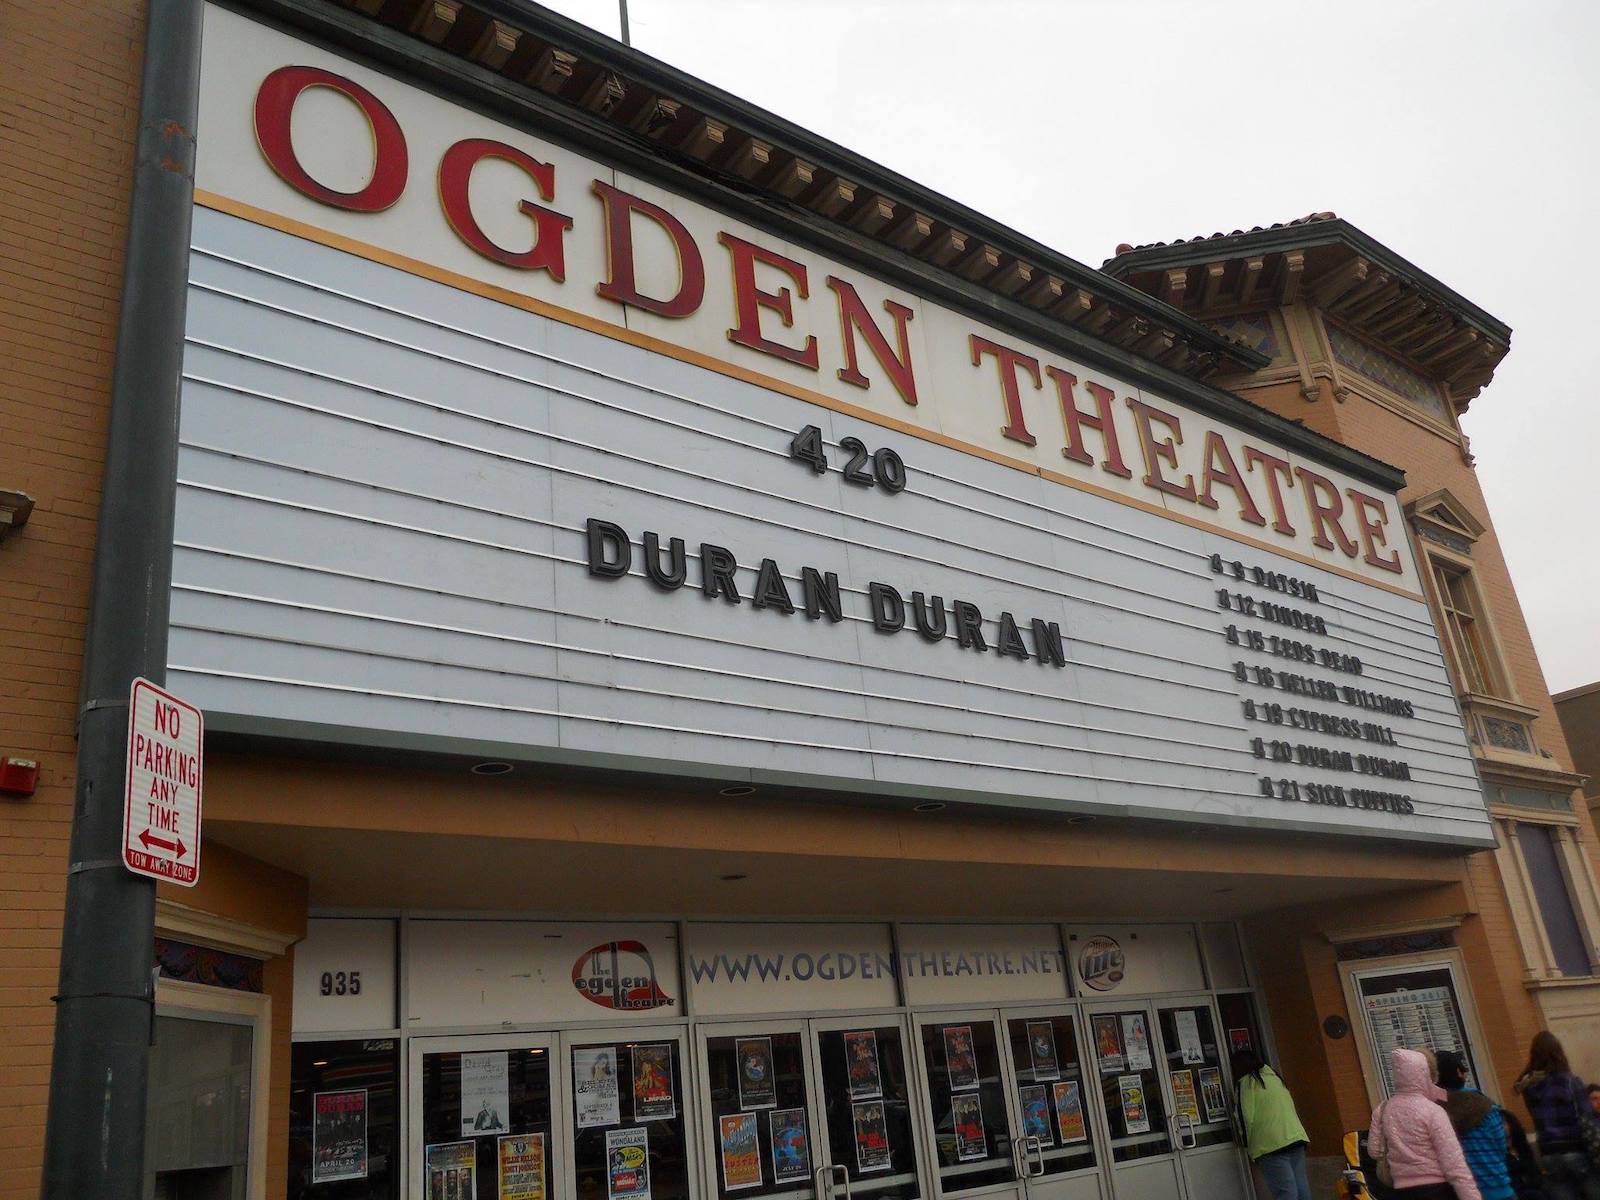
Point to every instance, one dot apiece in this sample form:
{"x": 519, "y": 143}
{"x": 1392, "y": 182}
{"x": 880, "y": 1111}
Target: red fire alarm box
{"x": 18, "y": 776}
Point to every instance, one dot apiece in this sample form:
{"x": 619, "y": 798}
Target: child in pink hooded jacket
{"x": 1412, "y": 1129}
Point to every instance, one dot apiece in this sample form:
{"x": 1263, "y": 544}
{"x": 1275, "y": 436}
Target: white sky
{"x": 1462, "y": 135}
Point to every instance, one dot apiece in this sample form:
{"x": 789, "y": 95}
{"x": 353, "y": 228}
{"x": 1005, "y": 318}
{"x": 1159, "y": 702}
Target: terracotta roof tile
{"x": 1126, "y": 248}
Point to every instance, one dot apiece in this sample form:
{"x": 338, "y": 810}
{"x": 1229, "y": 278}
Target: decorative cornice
{"x": 1331, "y": 264}
{"x": 222, "y": 933}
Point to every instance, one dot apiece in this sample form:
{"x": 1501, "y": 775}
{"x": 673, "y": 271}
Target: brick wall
{"x": 69, "y": 93}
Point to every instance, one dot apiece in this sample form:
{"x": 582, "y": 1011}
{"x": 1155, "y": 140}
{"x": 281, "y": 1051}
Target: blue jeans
{"x": 1285, "y": 1173}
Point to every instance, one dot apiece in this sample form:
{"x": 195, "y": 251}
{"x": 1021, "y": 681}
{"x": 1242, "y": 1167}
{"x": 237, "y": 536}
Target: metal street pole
{"x": 94, "y": 1132}
{"x": 623, "y": 4}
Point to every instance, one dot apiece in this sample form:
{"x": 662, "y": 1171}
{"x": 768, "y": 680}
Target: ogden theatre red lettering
{"x": 768, "y": 293}
{"x": 1102, "y": 421}
{"x": 455, "y": 177}
{"x": 1217, "y": 466}
{"x": 623, "y": 286}
{"x": 1371, "y": 517}
{"x": 853, "y": 316}
{"x": 749, "y": 300}
{"x": 1008, "y": 360}
{"x": 274, "y": 113}
{"x": 1325, "y": 513}
{"x": 1158, "y": 449}
{"x": 1276, "y": 469}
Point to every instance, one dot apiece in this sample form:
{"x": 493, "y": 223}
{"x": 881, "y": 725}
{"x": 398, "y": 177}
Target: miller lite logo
{"x": 1101, "y": 964}
{"x": 619, "y": 975}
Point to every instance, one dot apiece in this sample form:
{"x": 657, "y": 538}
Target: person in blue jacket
{"x": 1478, "y": 1125}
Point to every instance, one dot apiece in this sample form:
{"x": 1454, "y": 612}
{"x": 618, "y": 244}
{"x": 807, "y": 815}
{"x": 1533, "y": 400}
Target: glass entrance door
{"x": 758, "y": 1094}
{"x": 1056, "y": 1099}
{"x": 486, "y": 1118}
{"x": 627, "y": 1117}
{"x": 968, "y": 1102}
{"x": 1193, "y": 1058}
{"x": 867, "y": 1147}
{"x": 1128, "y": 1082}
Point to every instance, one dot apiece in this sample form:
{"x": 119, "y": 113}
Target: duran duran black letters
{"x": 611, "y": 553}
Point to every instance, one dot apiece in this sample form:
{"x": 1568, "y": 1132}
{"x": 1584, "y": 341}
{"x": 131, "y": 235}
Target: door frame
{"x": 1107, "y": 1005}
{"x": 836, "y": 1022}
{"x": 419, "y": 1045}
{"x": 740, "y": 1027}
{"x": 1099, "y": 1134}
{"x": 198, "y": 1002}
{"x": 1207, "y": 1001}
{"x": 689, "y": 1110}
{"x": 1014, "y": 1188}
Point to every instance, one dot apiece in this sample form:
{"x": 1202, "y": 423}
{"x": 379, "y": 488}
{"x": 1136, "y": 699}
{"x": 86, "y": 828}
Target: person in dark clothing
{"x": 1521, "y": 1163}
{"x": 1557, "y": 1101}
{"x": 1476, "y": 1120}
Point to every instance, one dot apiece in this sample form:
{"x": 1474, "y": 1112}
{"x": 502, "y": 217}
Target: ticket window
{"x": 487, "y": 1113}
{"x": 629, "y": 1138}
{"x": 866, "y": 1105}
{"x": 1054, "y": 1089}
{"x": 760, "y": 1113}
{"x": 967, "y": 1104}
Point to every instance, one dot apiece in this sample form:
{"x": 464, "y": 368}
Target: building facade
{"x": 728, "y": 673}
{"x": 1578, "y": 710}
{"x": 1380, "y": 356}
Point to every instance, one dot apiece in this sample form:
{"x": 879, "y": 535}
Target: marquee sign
{"x": 489, "y": 446}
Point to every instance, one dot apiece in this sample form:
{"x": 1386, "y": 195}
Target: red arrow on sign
{"x": 177, "y": 847}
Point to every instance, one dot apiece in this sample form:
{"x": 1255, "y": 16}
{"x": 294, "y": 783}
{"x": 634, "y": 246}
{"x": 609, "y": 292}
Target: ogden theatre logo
{"x": 619, "y": 975}
{"x": 1101, "y": 964}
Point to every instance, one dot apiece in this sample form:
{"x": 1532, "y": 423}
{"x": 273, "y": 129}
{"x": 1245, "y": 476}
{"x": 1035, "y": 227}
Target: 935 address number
{"x": 888, "y": 469}
{"x": 340, "y": 983}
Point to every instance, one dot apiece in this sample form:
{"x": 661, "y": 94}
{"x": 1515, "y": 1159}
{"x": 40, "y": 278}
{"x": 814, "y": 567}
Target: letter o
{"x": 275, "y": 101}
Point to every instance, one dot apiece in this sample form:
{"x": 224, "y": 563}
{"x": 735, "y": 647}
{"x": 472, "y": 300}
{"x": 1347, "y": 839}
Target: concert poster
{"x": 960, "y": 1057}
{"x": 522, "y": 1167}
{"x": 594, "y": 1086}
{"x": 628, "y": 1164}
{"x": 872, "y": 1136}
{"x": 1136, "y": 1042}
{"x": 1211, "y": 1092}
{"x": 861, "y": 1065}
{"x": 1135, "y": 1112}
{"x": 653, "y": 1098}
{"x": 966, "y": 1114}
{"x": 1042, "y": 1051}
{"x": 791, "y": 1146}
{"x": 741, "y": 1151}
{"x": 452, "y": 1169}
{"x": 1183, "y": 1097}
{"x": 1036, "y": 1113}
{"x": 1107, "y": 1044}
{"x": 339, "y": 1136}
{"x": 758, "y": 1086}
{"x": 1069, "y": 1112}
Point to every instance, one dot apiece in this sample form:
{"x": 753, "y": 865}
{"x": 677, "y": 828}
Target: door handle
{"x": 1034, "y": 1145}
{"x": 1186, "y": 1127}
{"x": 823, "y": 1177}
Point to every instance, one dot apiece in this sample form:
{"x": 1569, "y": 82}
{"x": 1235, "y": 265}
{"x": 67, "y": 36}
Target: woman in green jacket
{"x": 1274, "y": 1137}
